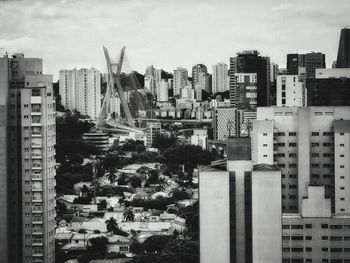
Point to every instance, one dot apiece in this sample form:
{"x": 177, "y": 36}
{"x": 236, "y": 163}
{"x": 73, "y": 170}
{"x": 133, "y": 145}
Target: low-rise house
{"x": 80, "y": 239}
{"x": 159, "y": 194}
{"x": 178, "y": 224}
{"x": 155, "y": 228}
{"x": 63, "y": 238}
{"x": 78, "y": 186}
{"x": 186, "y": 202}
{"x": 67, "y": 200}
{"x": 167, "y": 217}
{"x": 118, "y": 244}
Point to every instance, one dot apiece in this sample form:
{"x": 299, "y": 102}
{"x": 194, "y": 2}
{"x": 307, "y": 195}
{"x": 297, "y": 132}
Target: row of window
{"x": 301, "y": 260}
{"x": 309, "y": 249}
{"x": 324, "y": 226}
{"x": 332, "y": 238}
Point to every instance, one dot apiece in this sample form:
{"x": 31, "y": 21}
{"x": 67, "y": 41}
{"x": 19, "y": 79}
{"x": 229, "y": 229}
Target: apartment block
{"x": 80, "y": 89}
{"x": 302, "y": 142}
{"x": 316, "y": 234}
{"x": 28, "y": 161}
{"x": 240, "y": 209}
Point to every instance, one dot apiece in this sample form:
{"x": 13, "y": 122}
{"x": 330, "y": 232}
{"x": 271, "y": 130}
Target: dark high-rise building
{"x": 343, "y": 58}
{"x": 294, "y": 62}
{"x": 250, "y": 62}
{"x": 310, "y": 61}
{"x": 196, "y": 70}
{"x": 331, "y": 87}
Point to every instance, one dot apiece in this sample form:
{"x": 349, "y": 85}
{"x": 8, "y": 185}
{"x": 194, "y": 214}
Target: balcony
{"x": 37, "y": 221}
{"x": 35, "y": 99}
{"x": 37, "y": 242}
{"x": 38, "y": 253}
{"x": 36, "y": 135}
{"x": 37, "y": 200}
{"x": 37, "y": 145}
{"x": 37, "y": 231}
{"x": 37, "y": 209}
{"x": 37, "y": 167}
{"x": 36, "y": 124}
{"x": 37, "y": 189}
{"x": 37, "y": 156}
{"x": 37, "y": 177}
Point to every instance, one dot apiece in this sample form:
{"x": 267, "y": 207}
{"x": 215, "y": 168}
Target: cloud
{"x": 167, "y": 33}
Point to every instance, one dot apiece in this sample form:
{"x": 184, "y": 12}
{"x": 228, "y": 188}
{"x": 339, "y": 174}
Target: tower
{"x": 343, "y": 58}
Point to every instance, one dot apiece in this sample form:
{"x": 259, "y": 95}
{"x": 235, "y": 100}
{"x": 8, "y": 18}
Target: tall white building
{"x": 311, "y": 147}
{"x": 27, "y": 162}
{"x": 179, "y": 80}
{"x": 240, "y": 209}
{"x": 291, "y": 91}
{"x": 80, "y": 89}
{"x": 187, "y": 93}
{"x": 220, "y": 78}
{"x": 162, "y": 91}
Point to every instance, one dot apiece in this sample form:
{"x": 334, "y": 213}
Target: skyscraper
{"x": 343, "y": 58}
{"x": 80, "y": 89}
{"x": 27, "y": 145}
{"x": 180, "y": 80}
{"x": 219, "y": 77}
{"x": 250, "y": 62}
{"x": 196, "y": 71}
{"x": 314, "y": 61}
{"x": 240, "y": 209}
{"x": 309, "y": 145}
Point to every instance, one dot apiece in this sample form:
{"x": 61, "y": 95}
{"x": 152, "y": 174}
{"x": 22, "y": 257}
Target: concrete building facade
{"x": 301, "y": 141}
{"x": 220, "y": 77}
{"x": 291, "y": 91}
{"x": 180, "y": 78}
{"x": 80, "y": 89}
{"x": 28, "y": 160}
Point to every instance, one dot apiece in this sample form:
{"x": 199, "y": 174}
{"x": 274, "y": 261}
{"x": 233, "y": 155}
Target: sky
{"x": 168, "y": 33}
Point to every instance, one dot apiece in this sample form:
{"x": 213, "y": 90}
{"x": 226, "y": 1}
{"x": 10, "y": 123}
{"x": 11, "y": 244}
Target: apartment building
{"x": 27, "y": 161}
{"x": 316, "y": 234}
{"x": 311, "y": 147}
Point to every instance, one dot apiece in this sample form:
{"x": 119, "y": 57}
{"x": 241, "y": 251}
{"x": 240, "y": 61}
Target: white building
{"x": 200, "y": 138}
{"x": 80, "y": 89}
{"x": 220, "y": 77}
{"x": 325, "y": 73}
{"x": 162, "y": 91}
{"x": 311, "y": 146}
{"x": 240, "y": 210}
{"x": 187, "y": 93}
{"x": 179, "y": 80}
{"x": 152, "y": 130}
{"x": 290, "y": 91}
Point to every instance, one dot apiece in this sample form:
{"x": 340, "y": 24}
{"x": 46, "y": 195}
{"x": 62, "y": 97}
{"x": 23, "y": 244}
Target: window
{"x": 285, "y": 226}
{"x": 315, "y": 134}
{"x": 324, "y": 226}
{"x": 280, "y": 133}
{"x": 308, "y": 237}
{"x": 341, "y": 134}
{"x": 265, "y": 145}
{"x": 281, "y": 144}
{"x": 342, "y": 155}
{"x": 297, "y": 226}
{"x": 336, "y": 227}
{"x": 292, "y": 186}
{"x": 292, "y": 134}
{"x": 342, "y": 145}
{"x": 292, "y": 144}
{"x": 336, "y": 238}
{"x": 264, "y": 134}
{"x": 315, "y": 144}
{"x": 325, "y": 249}
{"x": 336, "y": 249}
{"x": 297, "y": 237}
{"x": 308, "y": 226}
{"x": 315, "y": 165}
{"x": 318, "y": 113}
{"x": 308, "y": 249}
{"x": 265, "y": 155}
{"x": 324, "y": 237}
{"x": 297, "y": 249}
{"x": 292, "y": 155}
{"x": 292, "y": 176}
{"x": 292, "y": 165}
{"x": 342, "y": 166}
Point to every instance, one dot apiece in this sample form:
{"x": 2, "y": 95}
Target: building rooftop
{"x": 265, "y": 167}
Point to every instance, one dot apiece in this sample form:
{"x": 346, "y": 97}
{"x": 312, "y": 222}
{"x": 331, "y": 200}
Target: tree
{"x": 102, "y": 205}
{"x": 189, "y": 155}
{"x": 153, "y": 178}
{"x": 97, "y": 250}
{"x": 111, "y": 225}
{"x": 111, "y": 175}
{"x": 164, "y": 141}
{"x": 75, "y": 158}
{"x": 135, "y": 182}
{"x": 129, "y": 215}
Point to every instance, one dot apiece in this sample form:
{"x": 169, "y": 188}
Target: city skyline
{"x": 166, "y": 34}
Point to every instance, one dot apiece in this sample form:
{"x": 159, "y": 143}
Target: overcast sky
{"x": 168, "y": 33}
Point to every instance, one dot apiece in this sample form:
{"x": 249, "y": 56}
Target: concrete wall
{"x": 266, "y": 216}
{"x": 3, "y": 157}
{"x": 214, "y": 218}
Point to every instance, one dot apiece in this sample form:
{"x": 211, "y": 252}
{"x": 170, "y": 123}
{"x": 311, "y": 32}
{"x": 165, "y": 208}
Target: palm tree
{"x": 112, "y": 225}
{"x": 129, "y": 215}
{"x": 111, "y": 175}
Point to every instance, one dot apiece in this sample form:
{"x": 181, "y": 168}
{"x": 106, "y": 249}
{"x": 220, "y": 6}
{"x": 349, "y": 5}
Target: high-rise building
{"x": 250, "y": 62}
{"x": 343, "y": 58}
{"x": 314, "y": 61}
{"x": 219, "y": 77}
{"x": 316, "y": 234}
{"x": 331, "y": 87}
{"x": 187, "y": 93}
{"x": 80, "y": 89}
{"x": 179, "y": 80}
{"x": 310, "y": 61}
{"x": 27, "y": 162}
{"x": 246, "y": 85}
{"x": 152, "y": 130}
{"x": 273, "y": 83}
{"x": 196, "y": 71}
{"x": 290, "y": 91}
{"x": 162, "y": 91}
{"x": 204, "y": 82}
{"x": 309, "y": 145}
{"x": 246, "y": 224}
